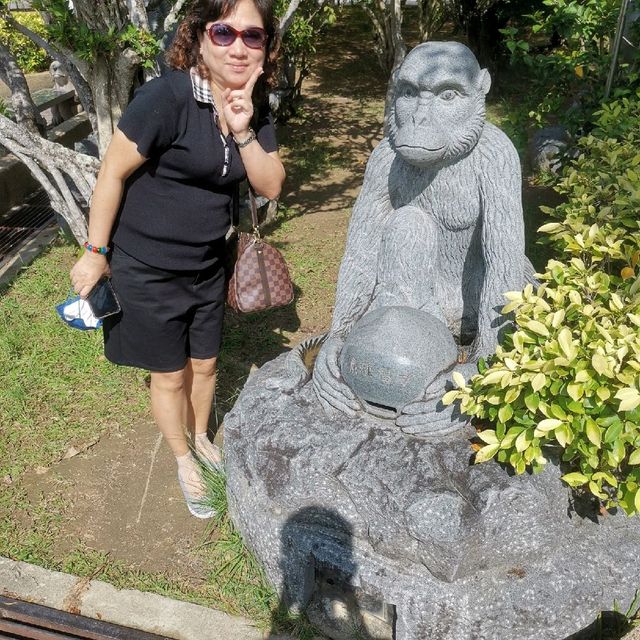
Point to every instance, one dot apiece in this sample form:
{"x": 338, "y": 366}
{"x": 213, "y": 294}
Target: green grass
{"x": 236, "y": 577}
{"x": 56, "y": 387}
{"x": 28, "y": 527}
{"x": 56, "y": 391}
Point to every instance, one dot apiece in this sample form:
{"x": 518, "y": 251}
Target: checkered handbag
{"x": 260, "y": 278}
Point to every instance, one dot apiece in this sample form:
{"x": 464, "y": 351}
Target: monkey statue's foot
{"x": 331, "y": 391}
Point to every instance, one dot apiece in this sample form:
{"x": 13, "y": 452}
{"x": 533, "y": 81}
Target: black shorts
{"x": 167, "y": 316}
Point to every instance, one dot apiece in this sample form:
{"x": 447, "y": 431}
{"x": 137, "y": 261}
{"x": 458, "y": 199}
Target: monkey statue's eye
{"x": 408, "y": 91}
{"x": 448, "y": 94}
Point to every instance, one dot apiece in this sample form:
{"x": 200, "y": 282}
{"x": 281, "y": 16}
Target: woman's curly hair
{"x": 184, "y": 51}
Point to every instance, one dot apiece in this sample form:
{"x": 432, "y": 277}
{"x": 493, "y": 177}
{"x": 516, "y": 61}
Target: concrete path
{"x": 99, "y": 600}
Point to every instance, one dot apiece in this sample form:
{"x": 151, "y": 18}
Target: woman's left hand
{"x": 237, "y": 106}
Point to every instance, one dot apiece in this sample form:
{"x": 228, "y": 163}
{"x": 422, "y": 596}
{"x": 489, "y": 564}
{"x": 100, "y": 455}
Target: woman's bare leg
{"x": 169, "y": 406}
{"x": 200, "y": 381}
{"x": 169, "y": 403}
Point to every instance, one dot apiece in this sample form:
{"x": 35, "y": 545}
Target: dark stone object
{"x": 393, "y": 353}
{"x": 463, "y": 551}
{"x": 547, "y": 147}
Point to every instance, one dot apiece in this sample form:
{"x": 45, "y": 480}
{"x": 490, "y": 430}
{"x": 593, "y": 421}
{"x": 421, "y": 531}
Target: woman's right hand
{"x": 87, "y": 271}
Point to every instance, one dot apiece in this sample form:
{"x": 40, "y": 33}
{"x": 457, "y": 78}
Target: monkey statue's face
{"x": 58, "y": 75}
{"x": 438, "y": 110}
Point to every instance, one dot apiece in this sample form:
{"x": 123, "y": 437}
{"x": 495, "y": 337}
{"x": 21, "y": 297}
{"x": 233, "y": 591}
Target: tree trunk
{"x": 431, "y": 17}
{"x": 386, "y": 20}
{"x": 103, "y": 85}
{"x": 112, "y": 82}
{"x": 26, "y": 113}
{"x": 77, "y": 69}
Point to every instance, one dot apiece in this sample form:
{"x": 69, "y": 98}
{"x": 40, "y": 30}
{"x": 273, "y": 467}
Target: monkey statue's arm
{"x": 356, "y": 280}
{"x": 502, "y": 238}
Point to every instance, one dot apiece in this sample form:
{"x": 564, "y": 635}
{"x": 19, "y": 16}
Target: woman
{"x": 161, "y": 208}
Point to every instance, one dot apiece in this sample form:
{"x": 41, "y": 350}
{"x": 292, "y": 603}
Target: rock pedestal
{"x": 461, "y": 551}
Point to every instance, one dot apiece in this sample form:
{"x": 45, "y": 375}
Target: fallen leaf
{"x": 7, "y": 480}
{"x": 70, "y": 453}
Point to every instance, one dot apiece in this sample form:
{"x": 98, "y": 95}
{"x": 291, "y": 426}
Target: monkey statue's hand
{"x": 331, "y": 390}
{"x": 429, "y": 417}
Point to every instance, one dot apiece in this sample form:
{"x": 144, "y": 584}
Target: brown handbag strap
{"x": 254, "y": 209}
{"x": 259, "y": 245}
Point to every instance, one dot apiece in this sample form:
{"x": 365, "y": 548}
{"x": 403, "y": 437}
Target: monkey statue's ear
{"x": 483, "y": 81}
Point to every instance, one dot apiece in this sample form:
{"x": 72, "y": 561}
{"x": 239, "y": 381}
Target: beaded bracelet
{"x": 89, "y": 247}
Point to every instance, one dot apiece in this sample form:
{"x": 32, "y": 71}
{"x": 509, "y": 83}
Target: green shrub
{"x": 30, "y": 57}
{"x": 567, "y": 79}
{"x": 567, "y": 378}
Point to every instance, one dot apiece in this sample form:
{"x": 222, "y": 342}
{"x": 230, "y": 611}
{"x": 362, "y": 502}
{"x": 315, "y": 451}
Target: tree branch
{"x": 125, "y": 67}
{"x": 25, "y": 111}
{"x": 287, "y": 18}
{"x": 138, "y": 14}
{"x": 55, "y": 167}
{"x": 172, "y": 17}
{"x": 76, "y": 68}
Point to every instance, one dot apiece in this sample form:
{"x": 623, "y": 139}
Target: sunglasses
{"x": 225, "y": 35}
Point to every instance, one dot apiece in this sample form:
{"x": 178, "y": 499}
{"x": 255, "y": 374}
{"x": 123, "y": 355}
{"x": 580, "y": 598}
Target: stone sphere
{"x": 393, "y": 353}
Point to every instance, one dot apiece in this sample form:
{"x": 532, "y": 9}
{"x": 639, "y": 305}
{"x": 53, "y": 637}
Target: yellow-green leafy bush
{"x": 567, "y": 378}
{"x": 29, "y": 56}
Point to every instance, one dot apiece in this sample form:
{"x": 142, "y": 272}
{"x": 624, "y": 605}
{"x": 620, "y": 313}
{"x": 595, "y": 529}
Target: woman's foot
{"x": 208, "y": 452}
{"x": 193, "y": 487}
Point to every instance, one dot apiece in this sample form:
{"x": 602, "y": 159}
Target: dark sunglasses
{"x": 224, "y": 35}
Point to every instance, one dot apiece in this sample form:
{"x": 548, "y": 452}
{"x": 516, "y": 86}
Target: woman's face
{"x": 230, "y": 67}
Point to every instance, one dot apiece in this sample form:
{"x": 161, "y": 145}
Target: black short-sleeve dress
{"x": 167, "y": 260}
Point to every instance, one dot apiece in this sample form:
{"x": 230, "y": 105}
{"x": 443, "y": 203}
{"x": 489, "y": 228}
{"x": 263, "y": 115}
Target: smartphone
{"x": 102, "y": 299}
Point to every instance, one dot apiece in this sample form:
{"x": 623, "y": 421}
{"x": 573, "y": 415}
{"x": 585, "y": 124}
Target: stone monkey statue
{"x": 59, "y": 76}
{"x": 61, "y": 83}
{"x": 437, "y": 226}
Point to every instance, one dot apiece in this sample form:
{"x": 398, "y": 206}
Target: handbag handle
{"x": 254, "y": 212}
{"x": 235, "y": 209}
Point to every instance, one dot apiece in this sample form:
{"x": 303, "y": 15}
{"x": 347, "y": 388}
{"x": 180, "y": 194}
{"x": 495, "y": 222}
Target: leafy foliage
{"x": 567, "y": 378}
{"x": 566, "y": 48}
{"x": 299, "y": 45}
{"x": 66, "y": 30}
{"x": 29, "y": 56}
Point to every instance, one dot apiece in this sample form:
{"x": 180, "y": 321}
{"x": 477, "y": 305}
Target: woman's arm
{"x": 264, "y": 170}
{"x": 120, "y": 161}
